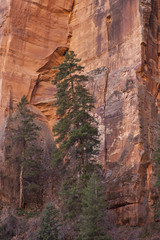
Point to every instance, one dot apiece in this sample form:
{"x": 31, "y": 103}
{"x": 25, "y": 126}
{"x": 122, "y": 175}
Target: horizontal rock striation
{"x": 118, "y": 43}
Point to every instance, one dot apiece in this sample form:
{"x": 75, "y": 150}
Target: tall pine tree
{"x": 76, "y": 130}
{"x": 24, "y": 136}
{"x": 77, "y": 139}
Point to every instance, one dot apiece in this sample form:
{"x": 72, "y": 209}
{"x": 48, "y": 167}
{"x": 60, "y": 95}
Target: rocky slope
{"x": 118, "y": 43}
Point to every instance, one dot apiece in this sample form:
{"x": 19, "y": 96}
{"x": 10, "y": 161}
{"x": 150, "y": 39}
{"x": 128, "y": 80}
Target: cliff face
{"x": 118, "y": 42}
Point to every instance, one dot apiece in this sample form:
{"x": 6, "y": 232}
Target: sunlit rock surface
{"x": 118, "y": 43}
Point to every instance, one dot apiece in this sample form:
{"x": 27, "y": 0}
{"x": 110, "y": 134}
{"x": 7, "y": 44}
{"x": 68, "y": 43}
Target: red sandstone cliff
{"x": 118, "y": 42}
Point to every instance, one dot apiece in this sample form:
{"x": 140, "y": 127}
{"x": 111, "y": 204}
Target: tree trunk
{"x": 21, "y": 187}
{"x": 82, "y": 165}
{"x": 83, "y": 169}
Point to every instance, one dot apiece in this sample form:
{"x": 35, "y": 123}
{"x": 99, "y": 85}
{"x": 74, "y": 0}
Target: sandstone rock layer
{"x": 118, "y": 43}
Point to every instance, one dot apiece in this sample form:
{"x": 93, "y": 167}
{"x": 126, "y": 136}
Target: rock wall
{"x": 118, "y": 42}
{"x": 112, "y": 34}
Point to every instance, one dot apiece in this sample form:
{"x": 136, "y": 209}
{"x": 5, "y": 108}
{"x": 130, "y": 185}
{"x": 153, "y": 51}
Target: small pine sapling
{"x": 49, "y": 224}
{"x": 93, "y": 210}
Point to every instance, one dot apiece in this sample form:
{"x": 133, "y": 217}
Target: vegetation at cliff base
{"x": 81, "y": 195}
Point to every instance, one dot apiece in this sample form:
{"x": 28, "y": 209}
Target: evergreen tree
{"x": 71, "y": 194}
{"x": 70, "y": 198}
{"x": 76, "y": 130}
{"x": 24, "y": 136}
{"x": 93, "y": 206}
{"x": 49, "y": 224}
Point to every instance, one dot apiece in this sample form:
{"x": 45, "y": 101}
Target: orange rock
{"x": 118, "y": 43}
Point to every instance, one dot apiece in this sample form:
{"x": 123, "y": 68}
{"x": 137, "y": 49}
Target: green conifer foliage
{"x": 24, "y": 135}
{"x": 93, "y": 206}
{"x": 76, "y": 130}
{"x": 49, "y": 224}
{"x": 71, "y": 194}
{"x": 71, "y": 197}
{"x": 27, "y": 130}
